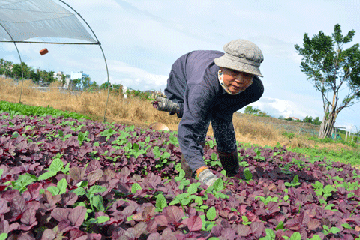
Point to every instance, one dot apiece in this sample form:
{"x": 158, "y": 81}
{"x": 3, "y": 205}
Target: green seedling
{"x": 248, "y": 174}
{"x": 333, "y": 230}
{"x": 83, "y": 137}
{"x": 56, "y": 166}
{"x": 323, "y": 191}
{"x": 160, "y": 202}
{"x": 245, "y": 220}
{"x": 270, "y": 235}
{"x": 267, "y": 200}
{"x": 294, "y": 182}
{"x": 207, "y": 225}
{"x": 59, "y": 189}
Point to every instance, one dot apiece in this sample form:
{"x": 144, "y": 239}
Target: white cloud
{"x": 136, "y": 78}
{"x": 286, "y": 108}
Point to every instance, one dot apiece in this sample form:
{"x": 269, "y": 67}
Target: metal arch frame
{"x": 97, "y": 43}
{"x": 22, "y": 70}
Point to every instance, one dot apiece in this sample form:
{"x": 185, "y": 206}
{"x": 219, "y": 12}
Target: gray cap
{"x": 241, "y": 55}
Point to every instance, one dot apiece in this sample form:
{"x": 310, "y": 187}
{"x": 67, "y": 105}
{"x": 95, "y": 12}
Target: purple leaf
{"x": 194, "y": 223}
{"x": 65, "y": 226}
{"x": 77, "y": 173}
{"x": 228, "y": 233}
{"x": 173, "y": 214}
{"x": 168, "y": 234}
{"x": 77, "y": 216}
{"x": 135, "y": 232}
{"x": 257, "y": 228}
{"x": 29, "y": 218}
{"x": 243, "y": 230}
{"x": 4, "y": 226}
{"x": 76, "y": 233}
{"x": 93, "y": 165}
{"x": 34, "y": 190}
{"x": 60, "y": 214}
{"x": 48, "y": 234}
{"x": 94, "y": 176}
{"x": 154, "y": 236}
{"x": 313, "y": 224}
{"x": 69, "y": 198}
{"x": 52, "y": 200}
{"x": 3, "y": 206}
{"x": 216, "y": 230}
{"x": 161, "y": 221}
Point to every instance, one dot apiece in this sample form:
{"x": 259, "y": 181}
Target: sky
{"x": 141, "y": 40}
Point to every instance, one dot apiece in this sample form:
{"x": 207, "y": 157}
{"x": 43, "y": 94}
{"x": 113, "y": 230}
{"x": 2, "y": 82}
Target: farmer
{"x": 206, "y": 86}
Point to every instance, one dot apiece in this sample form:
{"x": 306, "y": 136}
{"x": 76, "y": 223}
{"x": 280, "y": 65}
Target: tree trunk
{"x": 327, "y": 125}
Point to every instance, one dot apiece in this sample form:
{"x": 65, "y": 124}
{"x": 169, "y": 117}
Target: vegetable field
{"x": 72, "y": 178}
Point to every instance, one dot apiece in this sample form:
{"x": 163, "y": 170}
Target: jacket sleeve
{"x": 194, "y": 123}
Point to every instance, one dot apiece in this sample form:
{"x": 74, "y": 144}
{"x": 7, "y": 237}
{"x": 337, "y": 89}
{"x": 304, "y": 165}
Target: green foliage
{"x": 59, "y": 189}
{"x": 251, "y": 110}
{"x": 288, "y": 135}
{"x": 160, "y": 202}
{"x": 248, "y": 174}
{"x": 309, "y": 119}
{"x": 255, "y": 111}
{"x": 325, "y": 62}
{"x": 270, "y": 235}
{"x": 135, "y": 187}
{"x": 56, "y": 166}
{"x": 22, "y": 109}
{"x": 23, "y": 71}
{"x": 333, "y": 230}
{"x": 294, "y": 182}
{"x": 3, "y": 236}
{"x": 267, "y": 200}
{"x": 22, "y": 182}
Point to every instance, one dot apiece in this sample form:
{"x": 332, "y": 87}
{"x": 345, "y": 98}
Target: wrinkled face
{"x": 236, "y": 81}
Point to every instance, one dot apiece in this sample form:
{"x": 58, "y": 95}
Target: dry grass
{"x": 133, "y": 111}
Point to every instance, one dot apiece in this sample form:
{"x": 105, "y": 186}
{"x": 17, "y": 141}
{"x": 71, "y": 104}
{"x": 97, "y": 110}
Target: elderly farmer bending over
{"x": 206, "y": 86}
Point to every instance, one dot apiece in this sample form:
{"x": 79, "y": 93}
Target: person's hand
{"x": 158, "y": 99}
{"x": 155, "y": 103}
{"x": 206, "y": 176}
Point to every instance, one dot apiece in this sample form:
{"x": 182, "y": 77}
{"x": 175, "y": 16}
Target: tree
{"x": 251, "y": 110}
{"x": 76, "y": 84}
{"x": 105, "y": 85}
{"x": 85, "y": 83}
{"x": 93, "y": 87}
{"x": 316, "y": 121}
{"x": 63, "y": 79}
{"x": 35, "y": 76}
{"x": 21, "y": 70}
{"x": 308, "y": 119}
{"x": 5, "y": 68}
{"x": 330, "y": 66}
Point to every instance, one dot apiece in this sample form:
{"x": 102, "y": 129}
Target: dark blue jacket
{"x": 193, "y": 83}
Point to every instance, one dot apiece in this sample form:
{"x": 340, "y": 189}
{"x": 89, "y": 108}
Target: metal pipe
{"x": 107, "y": 71}
{"x": 22, "y": 65}
{"x": 97, "y": 43}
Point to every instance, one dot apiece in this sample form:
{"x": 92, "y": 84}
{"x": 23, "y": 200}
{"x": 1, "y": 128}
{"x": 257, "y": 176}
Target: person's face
{"x": 236, "y": 81}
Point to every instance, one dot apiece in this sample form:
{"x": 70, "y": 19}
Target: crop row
{"x": 79, "y": 179}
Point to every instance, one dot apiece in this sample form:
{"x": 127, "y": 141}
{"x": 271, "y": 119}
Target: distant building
{"x": 75, "y": 75}
{"x": 293, "y": 118}
{"x": 58, "y": 75}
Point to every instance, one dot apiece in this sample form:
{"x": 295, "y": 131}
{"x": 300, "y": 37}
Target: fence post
{"x": 124, "y": 91}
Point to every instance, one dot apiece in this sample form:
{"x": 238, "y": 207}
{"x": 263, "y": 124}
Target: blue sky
{"x": 142, "y": 38}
